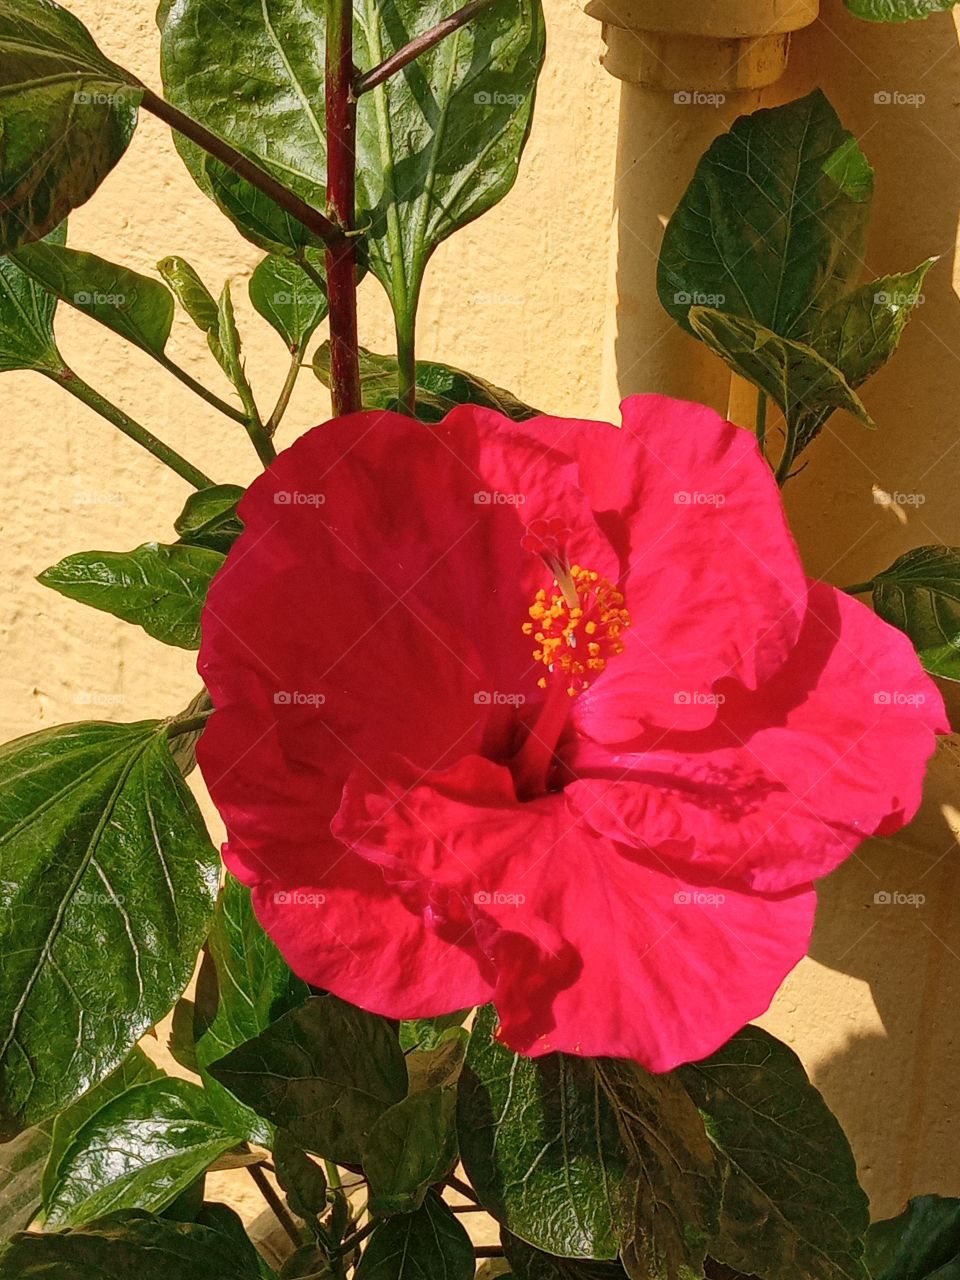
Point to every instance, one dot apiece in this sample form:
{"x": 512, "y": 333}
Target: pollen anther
{"x": 599, "y": 612}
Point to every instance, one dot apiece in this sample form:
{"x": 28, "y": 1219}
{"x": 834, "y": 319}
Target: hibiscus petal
{"x": 793, "y": 777}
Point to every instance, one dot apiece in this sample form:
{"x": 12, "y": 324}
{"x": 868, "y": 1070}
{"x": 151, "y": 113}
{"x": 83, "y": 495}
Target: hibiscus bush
{"x": 530, "y": 735}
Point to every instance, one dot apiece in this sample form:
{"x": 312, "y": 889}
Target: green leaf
{"x": 140, "y": 1151}
{"x": 429, "y": 1033}
{"x": 437, "y": 145}
{"x": 923, "y": 1243}
{"x": 773, "y": 226}
{"x": 226, "y": 347}
{"x": 209, "y": 518}
{"x": 528, "y": 1263}
{"x": 134, "y": 306}
{"x": 128, "y": 1244}
{"x": 792, "y": 373}
{"x": 66, "y": 116}
{"x": 441, "y": 1066}
{"x": 22, "y": 1163}
{"x": 897, "y": 10}
{"x": 288, "y": 299}
{"x": 427, "y": 1245}
{"x": 669, "y": 1201}
{"x": 440, "y": 387}
{"x": 326, "y": 1071}
{"x": 190, "y": 291}
{"x": 300, "y": 1177}
{"x": 26, "y": 317}
{"x": 136, "y": 1069}
{"x": 411, "y": 1146}
{"x": 157, "y": 587}
{"x": 920, "y": 594}
{"x": 245, "y": 985}
{"x": 540, "y": 1145}
{"x": 109, "y": 884}
{"x": 792, "y": 1204}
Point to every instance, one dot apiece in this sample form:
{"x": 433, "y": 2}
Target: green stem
{"x": 254, "y": 423}
{"x": 860, "y": 588}
{"x": 199, "y": 389}
{"x": 333, "y": 1175}
{"x": 286, "y": 391}
{"x": 789, "y": 452}
{"x": 177, "y": 728}
{"x": 67, "y": 379}
{"x": 407, "y": 361}
{"x": 761, "y": 427}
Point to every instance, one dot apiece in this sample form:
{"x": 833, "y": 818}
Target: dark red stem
{"x": 418, "y": 45}
{"x": 341, "y": 109}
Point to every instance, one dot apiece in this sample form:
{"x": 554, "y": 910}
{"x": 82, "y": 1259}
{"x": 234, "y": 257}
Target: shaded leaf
{"x": 670, "y": 1199}
{"x": 109, "y": 884}
{"x": 66, "y": 116}
{"x": 131, "y": 1244}
{"x": 26, "y": 317}
{"x": 411, "y": 1146}
{"x": 299, "y": 1176}
{"x": 792, "y": 1204}
{"x": 430, "y": 1244}
{"x": 429, "y": 1068}
{"x": 528, "y": 1263}
{"x": 326, "y": 1071}
{"x": 141, "y": 1150}
{"x": 209, "y": 518}
{"x": 428, "y": 1033}
{"x": 540, "y": 1145}
{"x": 22, "y": 1162}
{"x": 288, "y": 299}
{"x": 157, "y": 587}
{"x": 920, "y": 595}
{"x": 135, "y": 306}
{"x": 922, "y": 1243}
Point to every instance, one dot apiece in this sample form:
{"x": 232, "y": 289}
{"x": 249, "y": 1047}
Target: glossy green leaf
{"x": 136, "y": 1069}
{"x": 799, "y": 380}
{"x": 66, "y": 116}
{"x": 920, "y": 594}
{"x": 922, "y": 1243}
{"x": 897, "y": 10}
{"x": 22, "y": 1162}
{"x": 773, "y": 226}
{"x": 128, "y": 1244}
{"x": 244, "y": 986}
{"x": 157, "y": 587}
{"x": 288, "y": 299}
{"x": 109, "y": 882}
{"x": 429, "y": 1033}
{"x": 540, "y": 1145}
{"x": 226, "y": 347}
{"x": 26, "y": 317}
{"x": 140, "y": 1151}
{"x": 190, "y": 291}
{"x": 411, "y": 1146}
{"x": 430, "y": 1244}
{"x": 669, "y": 1202}
{"x": 440, "y": 387}
{"x": 209, "y": 518}
{"x": 299, "y": 1176}
{"x": 528, "y": 1263}
{"x": 792, "y": 1204}
{"x": 437, "y": 145}
{"x": 134, "y": 306}
{"x": 326, "y": 1071}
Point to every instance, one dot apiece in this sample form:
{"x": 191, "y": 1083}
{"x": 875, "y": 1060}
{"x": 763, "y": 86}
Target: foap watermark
{"x": 495, "y": 98}
{"x": 698, "y": 898}
{"x": 698, "y": 698}
{"x": 98, "y": 498}
{"x": 298, "y": 498}
{"x": 494, "y": 698}
{"x": 494, "y": 498}
{"x": 694, "y": 498}
{"x": 497, "y": 899}
{"x": 698, "y": 98}
{"x": 295, "y": 698}
{"x": 684, "y": 299}
{"x": 894, "y": 898}
{"x": 897, "y": 499}
{"x": 98, "y": 698}
{"x": 898, "y": 298}
{"x": 298, "y": 898}
{"x": 84, "y": 98}
{"x": 897, "y": 98}
{"x": 84, "y": 298}
{"x": 898, "y": 698}
{"x": 98, "y": 898}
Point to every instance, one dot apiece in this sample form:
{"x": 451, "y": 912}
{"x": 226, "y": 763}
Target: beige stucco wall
{"x": 528, "y": 297}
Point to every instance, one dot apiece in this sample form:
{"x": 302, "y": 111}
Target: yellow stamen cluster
{"x": 576, "y": 641}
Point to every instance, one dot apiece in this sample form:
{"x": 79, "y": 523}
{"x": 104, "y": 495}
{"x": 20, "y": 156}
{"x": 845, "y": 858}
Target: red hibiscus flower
{"x": 547, "y": 714}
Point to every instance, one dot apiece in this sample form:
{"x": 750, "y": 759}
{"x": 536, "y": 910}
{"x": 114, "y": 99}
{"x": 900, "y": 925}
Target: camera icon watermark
{"x": 494, "y": 698}
{"x": 898, "y": 698}
{"x": 697, "y": 98}
{"x": 484, "y": 899}
{"x": 295, "y": 698}
{"x": 896, "y": 98}
{"x": 698, "y": 898}
{"x": 493, "y": 498}
{"x": 894, "y": 898}
{"x": 485, "y": 98}
{"x": 697, "y": 299}
{"x": 298, "y": 898}
{"x": 297, "y": 498}
{"x": 698, "y": 698}
{"x": 83, "y": 298}
{"x": 688, "y": 498}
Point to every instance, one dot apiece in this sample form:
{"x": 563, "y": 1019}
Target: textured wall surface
{"x": 528, "y": 297}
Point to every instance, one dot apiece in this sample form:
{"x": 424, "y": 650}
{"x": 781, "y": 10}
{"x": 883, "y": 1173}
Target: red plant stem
{"x": 418, "y": 45}
{"x": 341, "y": 111}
